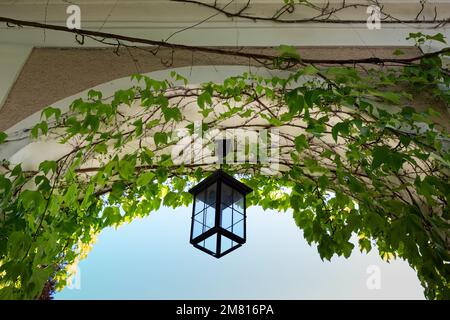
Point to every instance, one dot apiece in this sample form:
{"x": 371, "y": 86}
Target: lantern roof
{"x": 222, "y": 176}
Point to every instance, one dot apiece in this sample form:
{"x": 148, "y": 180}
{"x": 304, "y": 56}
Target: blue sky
{"x": 151, "y": 258}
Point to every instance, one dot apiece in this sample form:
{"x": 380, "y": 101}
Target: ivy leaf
{"x": 117, "y": 190}
{"x": 43, "y": 126}
{"x": 46, "y": 166}
{"x": 388, "y": 95}
{"x": 342, "y": 127}
{"x": 31, "y": 199}
{"x": 309, "y": 70}
{"x": 112, "y": 215}
{"x": 101, "y": 148}
{"x": 288, "y": 52}
{"x": 138, "y": 125}
{"x": 178, "y": 77}
{"x": 3, "y": 137}
{"x": 203, "y": 99}
{"x": 437, "y": 37}
{"x": 126, "y": 169}
{"x": 171, "y": 199}
{"x": 91, "y": 121}
{"x": 18, "y": 243}
{"x": 123, "y": 96}
{"x": 50, "y": 111}
{"x": 364, "y": 244}
{"x": 71, "y": 195}
{"x": 95, "y": 95}
{"x": 405, "y": 140}
{"x": 172, "y": 113}
{"x": 301, "y": 143}
{"x": 379, "y": 154}
{"x": 160, "y": 138}
{"x": 145, "y": 179}
{"x": 295, "y": 102}
{"x": 354, "y": 184}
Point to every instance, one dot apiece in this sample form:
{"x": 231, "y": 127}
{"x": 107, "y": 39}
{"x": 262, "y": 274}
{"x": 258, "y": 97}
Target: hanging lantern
{"x": 218, "y": 214}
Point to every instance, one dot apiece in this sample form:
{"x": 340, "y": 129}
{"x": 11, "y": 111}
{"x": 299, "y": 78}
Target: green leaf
{"x": 50, "y": 111}
{"x": 379, "y": 154}
{"x": 46, "y": 166}
{"x": 138, "y": 126}
{"x": 171, "y": 199}
{"x": 309, "y": 70}
{"x": 405, "y": 140}
{"x": 437, "y": 37}
{"x": 91, "y": 121}
{"x": 117, "y": 190}
{"x": 355, "y": 185}
{"x": 295, "y": 102}
{"x": 126, "y": 169}
{"x": 288, "y": 52}
{"x": 3, "y": 137}
{"x": 204, "y": 99}
{"x": 301, "y": 143}
{"x": 365, "y": 244}
{"x": 160, "y": 138}
{"x": 178, "y": 77}
{"x": 340, "y": 127}
{"x": 43, "y": 126}
{"x": 389, "y": 96}
{"x": 152, "y": 123}
{"x": 172, "y": 113}
{"x": 112, "y": 215}
{"x": 95, "y": 95}
{"x": 18, "y": 243}
{"x": 71, "y": 195}
{"x": 31, "y": 199}
{"x": 124, "y": 96}
{"x": 145, "y": 178}
{"x": 101, "y": 148}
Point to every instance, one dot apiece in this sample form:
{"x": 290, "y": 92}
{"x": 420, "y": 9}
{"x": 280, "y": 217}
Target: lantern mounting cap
{"x": 220, "y": 175}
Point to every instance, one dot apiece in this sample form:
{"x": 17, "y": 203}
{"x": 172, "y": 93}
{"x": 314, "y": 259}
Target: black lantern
{"x": 218, "y": 214}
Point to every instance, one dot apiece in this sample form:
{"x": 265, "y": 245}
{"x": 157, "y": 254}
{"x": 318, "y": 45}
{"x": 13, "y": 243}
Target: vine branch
{"x": 101, "y": 37}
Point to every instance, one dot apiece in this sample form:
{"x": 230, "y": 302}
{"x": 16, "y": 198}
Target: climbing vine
{"x": 354, "y": 158}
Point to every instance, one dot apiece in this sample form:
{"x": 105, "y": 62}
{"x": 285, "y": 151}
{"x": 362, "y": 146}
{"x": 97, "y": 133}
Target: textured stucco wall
{"x": 51, "y": 74}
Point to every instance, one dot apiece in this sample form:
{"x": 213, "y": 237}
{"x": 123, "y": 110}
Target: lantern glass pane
{"x": 238, "y": 228}
{"x": 199, "y": 202}
{"x": 211, "y": 195}
{"x": 197, "y": 229}
{"x": 205, "y": 198}
{"x": 227, "y": 217}
{"x": 204, "y": 211}
{"x": 227, "y": 195}
{"x": 210, "y": 217}
{"x": 238, "y": 202}
{"x": 225, "y": 244}
{"x": 232, "y": 210}
{"x": 210, "y": 243}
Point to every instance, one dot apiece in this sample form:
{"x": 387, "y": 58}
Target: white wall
{"x": 12, "y": 58}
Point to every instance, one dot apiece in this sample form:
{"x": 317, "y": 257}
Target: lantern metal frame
{"x": 218, "y": 178}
